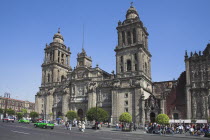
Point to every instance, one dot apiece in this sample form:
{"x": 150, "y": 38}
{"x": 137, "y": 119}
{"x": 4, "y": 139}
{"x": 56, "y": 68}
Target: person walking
{"x": 70, "y": 125}
{"x": 79, "y": 125}
{"x": 83, "y": 126}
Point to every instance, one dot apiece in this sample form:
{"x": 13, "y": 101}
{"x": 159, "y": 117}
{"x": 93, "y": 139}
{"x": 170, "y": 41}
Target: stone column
{"x": 65, "y": 103}
{"x": 46, "y": 77}
{"x": 67, "y": 60}
{"x": 207, "y": 106}
{"x": 162, "y": 105}
{"x": 189, "y": 101}
{"x": 117, "y": 65}
{"x": 120, "y": 38}
{"x": 91, "y": 100}
{"x": 56, "y": 55}
{"x": 126, "y": 39}
{"x": 131, "y": 37}
{"x": 142, "y": 110}
{"x": 203, "y": 107}
{"x": 194, "y": 107}
{"x": 140, "y": 61}
{"x": 139, "y": 36}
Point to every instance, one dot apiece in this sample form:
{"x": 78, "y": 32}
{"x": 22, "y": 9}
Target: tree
{"x": 24, "y": 112}
{"x": 33, "y": 115}
{"x": 100, "y": 115}
{"x": 71, "y": 115}
{"x": 19, "y": 115}
{"x": 125, "y": 117}
{"x": 1, "y": 111}
{"x": 162, "y": 119}
{"x": 10, "y": 112}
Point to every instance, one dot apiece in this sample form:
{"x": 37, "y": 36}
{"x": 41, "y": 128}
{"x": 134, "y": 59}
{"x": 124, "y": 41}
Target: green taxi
{"x": 24, "y": 121}
{"x": 44, "y": 124}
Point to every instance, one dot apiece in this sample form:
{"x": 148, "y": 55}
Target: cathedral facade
{"x": 130, "y": 89}
{"x": 84, "y": 87}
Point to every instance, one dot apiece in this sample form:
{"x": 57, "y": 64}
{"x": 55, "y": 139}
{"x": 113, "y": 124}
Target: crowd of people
{"x": 78, "y": 124}
{"x": 192, "y": 129}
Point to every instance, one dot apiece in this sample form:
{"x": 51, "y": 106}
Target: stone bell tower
{"x": 56, "y": 62}
{"x": 132, "y": 55}
{"x": 133, "y": 68}
{"x": 54, "y": 70}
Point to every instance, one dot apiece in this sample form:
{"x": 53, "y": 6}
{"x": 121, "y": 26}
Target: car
{"x": 24, "y": 121}
{"x": 9, "y": 119}
{"x": 44, "y": 124}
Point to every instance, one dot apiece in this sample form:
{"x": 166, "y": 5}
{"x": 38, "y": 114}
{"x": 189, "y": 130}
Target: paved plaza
{"x": 17, "y": 131}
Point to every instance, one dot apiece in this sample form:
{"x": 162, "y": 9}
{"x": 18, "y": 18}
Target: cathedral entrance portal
{"x": 152, "y": 117}
{"x": 80, "y": 114}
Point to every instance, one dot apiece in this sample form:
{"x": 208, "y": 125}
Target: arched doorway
{"x": 80, "y": 113}
{"x": 152, "y": 117}
{"x": 176, "y": 116}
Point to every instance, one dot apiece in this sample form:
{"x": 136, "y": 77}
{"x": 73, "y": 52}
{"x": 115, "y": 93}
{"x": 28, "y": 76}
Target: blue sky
{"x": 26, "y": 26}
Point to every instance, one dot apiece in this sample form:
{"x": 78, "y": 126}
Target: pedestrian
{"x": 134, "y": 127}
{"x": 83, "y": 126}
{"x": 66, "y": 124}
{"x": 79, "y": 125}
{"x": 117, "y": 126}
{"x": 70, "y": 125}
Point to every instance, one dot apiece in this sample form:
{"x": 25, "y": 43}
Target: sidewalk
{"x": 141, "y": 132}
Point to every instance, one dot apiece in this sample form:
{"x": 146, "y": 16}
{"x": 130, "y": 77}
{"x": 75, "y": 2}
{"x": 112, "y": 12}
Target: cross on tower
{"x": 131, "y": 4}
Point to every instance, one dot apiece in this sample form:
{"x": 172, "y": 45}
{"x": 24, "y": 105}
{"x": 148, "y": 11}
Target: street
{"x": 19, "y": 131}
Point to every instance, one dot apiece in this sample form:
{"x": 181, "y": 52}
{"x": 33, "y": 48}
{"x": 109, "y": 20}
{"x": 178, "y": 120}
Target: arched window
{"x": 128, "y": 65}
{"x": 48, "y": 77}
{"x": 121, "y": 59}
{"x": 129, "y": 37}
{"x": 134, "y": 35}
{"x": 123, "y": 37}
{"x": 121, "y": 68}
{"x": 145, "y": 67}
{"x": 62, "y": 78}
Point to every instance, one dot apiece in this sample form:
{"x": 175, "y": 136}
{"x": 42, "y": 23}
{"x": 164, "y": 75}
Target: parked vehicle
{"x": 44, "y": 124}
{"x": 24, "y": 121}
{"x": 9, "y": 119}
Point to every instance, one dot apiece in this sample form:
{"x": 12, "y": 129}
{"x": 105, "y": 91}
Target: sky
{"x": 26, "y": 26}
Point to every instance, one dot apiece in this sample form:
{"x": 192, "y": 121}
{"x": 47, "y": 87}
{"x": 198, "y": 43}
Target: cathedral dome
{"x": 58, "y": 37}
{"x": 132, "y": 13}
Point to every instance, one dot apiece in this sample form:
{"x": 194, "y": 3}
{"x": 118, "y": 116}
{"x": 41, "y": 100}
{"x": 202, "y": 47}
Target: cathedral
{"x": 130, "y": 89}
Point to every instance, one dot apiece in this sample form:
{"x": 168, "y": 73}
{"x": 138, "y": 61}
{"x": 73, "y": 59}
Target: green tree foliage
{"x": 24, "y": 111}
{"x": 1, "y": 111}
{"x": 10, "y": 112}
{"x": 125, "y": 117}
{"x": 162, "y": 119}
{"x": 99, "y": 115}
{"x": 34, "y": 115}
{"x": 71, "y": 115}
{"x": 19, "y": 115}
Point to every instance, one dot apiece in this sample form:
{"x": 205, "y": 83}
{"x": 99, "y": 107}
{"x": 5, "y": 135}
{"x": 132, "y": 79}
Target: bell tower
{"x": 132, "y": 55}
{"x": 56, "y": 62}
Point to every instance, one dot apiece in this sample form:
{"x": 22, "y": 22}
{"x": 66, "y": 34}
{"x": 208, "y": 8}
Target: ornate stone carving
{"x": 92, "y": 87}
{"x": 117, "y": 83}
